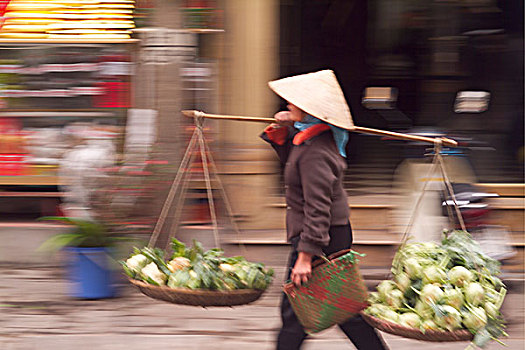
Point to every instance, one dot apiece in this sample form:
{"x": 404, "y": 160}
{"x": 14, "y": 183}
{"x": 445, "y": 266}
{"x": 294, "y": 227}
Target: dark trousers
{"x": 292, "y": 334}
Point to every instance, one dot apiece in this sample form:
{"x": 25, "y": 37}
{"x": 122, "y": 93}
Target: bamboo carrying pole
{"x": 395, "y": 135}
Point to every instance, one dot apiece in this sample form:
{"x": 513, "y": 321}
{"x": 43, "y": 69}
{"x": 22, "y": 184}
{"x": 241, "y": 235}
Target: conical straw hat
{"x": 318, "y": 94}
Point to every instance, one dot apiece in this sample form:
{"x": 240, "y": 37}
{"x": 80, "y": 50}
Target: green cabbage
{"x": 434, "y": 274}
{"x": 465, "y": 251}
{"x": 412, "y": 267}
{"x": 447, "y": 287}
{"x": 385, "y": 287}
{"x": 374, "y": 297}
{"x": 453, "y": 297}
{"x": 377, "y": 309}
{"x": 395, "y": 299}
{"x": 429, "y": 325}
{"x": 178, "y": 263}
{"x": 389, "y": 315}
{"x": 431, "y": 293}
{"x": 424, "y": 310}
{"x": 179, "y": 279}
{"x": 474, "y": 293}
{"x": 402, "y": 281}
{"x": 459, "y": 276}
{"x": 136, "y": 263}
{"x": 447, "y": 317}
{"x": 475, "y": 319}
{"x": 151, "y": 273}
{"x": 194, "y": 282}
{"x": 409, "y": 319}
{"x": 491, "y": 310}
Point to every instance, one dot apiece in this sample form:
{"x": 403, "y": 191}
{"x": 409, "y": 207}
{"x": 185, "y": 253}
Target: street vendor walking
{"x": 310, "y": 140}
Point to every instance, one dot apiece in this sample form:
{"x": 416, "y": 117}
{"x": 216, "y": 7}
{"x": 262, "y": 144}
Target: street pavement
{"x": 36, "y": 313}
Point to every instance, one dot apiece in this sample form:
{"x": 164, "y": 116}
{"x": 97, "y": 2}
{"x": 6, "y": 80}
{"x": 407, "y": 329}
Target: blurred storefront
{"x": 435, "y": 56}
{"x": 428, "y": 52}
{"x": 218, "y": 55}
{"x": 65, "y": 78}
{"x": 235, "y": 54}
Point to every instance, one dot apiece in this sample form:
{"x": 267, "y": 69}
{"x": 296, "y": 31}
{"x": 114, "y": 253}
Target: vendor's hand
{"x": 275, "y": 126}
{"x": 284, "y": 118}
{"x": 302, "y": 269}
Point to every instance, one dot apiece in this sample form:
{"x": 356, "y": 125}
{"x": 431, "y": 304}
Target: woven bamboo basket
{"x": 335, "y": 292}
{"x": 429, "y": 335}
{"x": 201, "y": 297}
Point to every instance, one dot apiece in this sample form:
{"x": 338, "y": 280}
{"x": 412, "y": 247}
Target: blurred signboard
{"x": 471, "y": 101}
{"x": 141, "y": 130}
{"x": 166, "y": 46}
{"x": 379, "y": 97}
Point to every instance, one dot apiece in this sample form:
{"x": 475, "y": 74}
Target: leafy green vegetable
{"x": 85, "y": 233}
{"x": 424, "y": 310}
{"x": 443, "y": 287}
{"x": 474, "y": 293}
{"x": 434, "y": 274}
{"x": 157, "y": 256}
{"x": 135, "y": 263}
{"x": 151, "y": 274}
{"x": 193, "y": 268}
{"x": 453, "y": 297}
{"x": 429, "y": 325}
{"x": 465, "y": 251}
{"x": 402, "y": 281}
{"x": 431, "y": 293}
{"x": 394, "y": 299}
{"x": 385, "y": 287}
{"x": 179, "y": 248}
{"x": 459, "y": 276}
{"x": 410, "y": 319}
{"x": 447, "y": 317}
{"x": 475, "y": 319}
{"x": 179, "y": 279}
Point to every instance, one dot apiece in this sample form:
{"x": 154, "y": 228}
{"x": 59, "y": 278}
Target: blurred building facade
{"x": 427, "y": 51}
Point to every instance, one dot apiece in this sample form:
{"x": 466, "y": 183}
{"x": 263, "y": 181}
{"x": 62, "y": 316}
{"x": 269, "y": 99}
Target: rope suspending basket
{"x": 446, "y": 292}
{"x": 225, "y": 281}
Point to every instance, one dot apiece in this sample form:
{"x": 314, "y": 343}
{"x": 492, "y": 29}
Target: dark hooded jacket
{"x": 313, "y": 174}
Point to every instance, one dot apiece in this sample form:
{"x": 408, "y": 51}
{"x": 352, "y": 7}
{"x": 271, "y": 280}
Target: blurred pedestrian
{"x": 310, "y": 140}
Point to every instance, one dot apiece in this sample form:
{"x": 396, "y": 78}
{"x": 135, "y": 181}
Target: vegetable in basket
{"x": 447, "y": 317}
{"x": 431, "y": 293}
{"x": 434, "y": 274}
{"x": 194, "y": 268}
{"x": 410, "y": 319}
{"x": 151, "y": 274}
{"x": 447, "y": 287}
{"x": 453, "y": 296}
{"x": 429, "y": 325}
{"x": 459, "y": 276}
{"x": 475, "y": 319}
{"x": 135, "y": 263}
{"x": 474, "y": 293}
{"x": 403, "y": 282}
{"x": 179, "y": 263}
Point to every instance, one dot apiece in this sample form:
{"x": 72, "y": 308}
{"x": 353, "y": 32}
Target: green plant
{"x": 85, "y": 233}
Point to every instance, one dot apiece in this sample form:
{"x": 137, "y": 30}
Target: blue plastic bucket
{"x": 90, "y": 273}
